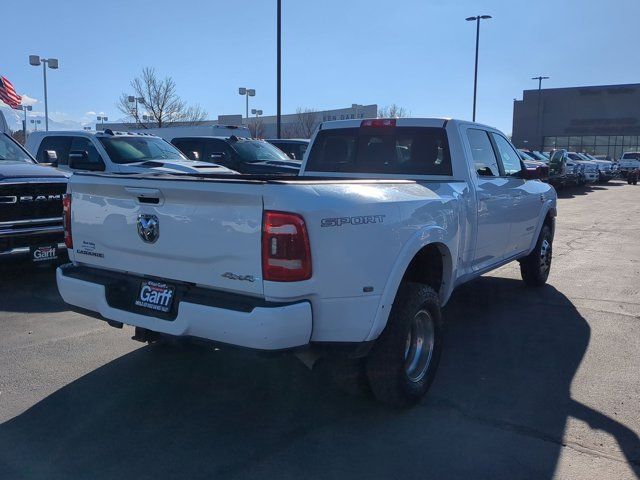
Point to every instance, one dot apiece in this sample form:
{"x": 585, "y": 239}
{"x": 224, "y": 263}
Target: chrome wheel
{"x": 545, "y": 255}
{"x": 419, "y": 346}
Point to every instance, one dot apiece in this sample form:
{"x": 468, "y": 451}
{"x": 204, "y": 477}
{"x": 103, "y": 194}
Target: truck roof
{"x": 440, "y": 122}
{"x": 87, "y": 133}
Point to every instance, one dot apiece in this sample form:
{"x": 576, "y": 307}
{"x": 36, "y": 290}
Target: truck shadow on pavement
{"x": 497, "y": 409}
{"x": 29, "y": 288}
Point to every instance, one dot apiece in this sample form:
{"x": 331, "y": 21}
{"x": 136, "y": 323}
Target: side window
{"x": 219, "y": 147}
{"x": 192, "y": 149}
{"x": 57, "y": 147}
{"x": 82, "y": 144}
{"x": 484, "y": 158}
{"x": 510, "y": 159}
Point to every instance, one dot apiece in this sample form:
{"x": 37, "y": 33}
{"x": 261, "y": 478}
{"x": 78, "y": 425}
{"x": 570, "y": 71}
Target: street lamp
{"x": 36, "y": 123}
{"x": 255, "y": 112}
{"x": 35, "y": 60}
{"x": 247, "y": 92}
{"x": 102, "y": 120}
{"x": 25, "y": 108}
{"x": 136, "y": 100}
{"x": 538, "y": 119}
{"x": 475, "y": 78}
{"x": 86, "y": 128}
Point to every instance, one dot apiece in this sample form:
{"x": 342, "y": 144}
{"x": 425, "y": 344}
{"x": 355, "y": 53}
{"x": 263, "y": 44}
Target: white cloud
{"x": 27, "y": 100}
{"x": 90, "y": 113}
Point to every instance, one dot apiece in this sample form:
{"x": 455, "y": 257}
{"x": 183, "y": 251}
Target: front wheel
{"x": 403, "y": 362}
{"x": 536, "y": 266}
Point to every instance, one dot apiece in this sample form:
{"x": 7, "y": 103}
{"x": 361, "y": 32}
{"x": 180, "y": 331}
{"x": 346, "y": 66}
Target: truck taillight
{"x": 286, "y": 253}
{"x": 66, "y": 219}
{"x": 378, "y": 123}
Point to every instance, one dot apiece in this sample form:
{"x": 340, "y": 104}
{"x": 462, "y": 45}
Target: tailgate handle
{"x": 151, "y": 196}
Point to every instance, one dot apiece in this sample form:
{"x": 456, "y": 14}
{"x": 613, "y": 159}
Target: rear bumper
{"x": 263, "y": 326}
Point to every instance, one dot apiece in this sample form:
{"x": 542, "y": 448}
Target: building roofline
{"x": 594, "y": 87}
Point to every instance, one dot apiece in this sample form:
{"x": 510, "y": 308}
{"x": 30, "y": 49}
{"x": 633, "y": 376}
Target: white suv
{"x": 111, "y": 151}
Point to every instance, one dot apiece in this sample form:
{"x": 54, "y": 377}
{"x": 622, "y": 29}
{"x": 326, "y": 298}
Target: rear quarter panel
{"x": 363, "y": 236}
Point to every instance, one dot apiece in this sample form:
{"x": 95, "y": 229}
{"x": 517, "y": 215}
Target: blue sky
{"x": 418, "y": 54}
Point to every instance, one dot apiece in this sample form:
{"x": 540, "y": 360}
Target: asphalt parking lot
{"x": 533, "y": 383}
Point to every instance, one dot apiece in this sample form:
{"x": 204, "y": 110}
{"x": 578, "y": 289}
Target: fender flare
{"x": 428, "y": 236}
{"x": 548, "y": 207}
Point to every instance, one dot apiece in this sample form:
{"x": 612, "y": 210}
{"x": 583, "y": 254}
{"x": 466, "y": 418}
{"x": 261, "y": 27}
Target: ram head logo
{"x": 148, "y": 228}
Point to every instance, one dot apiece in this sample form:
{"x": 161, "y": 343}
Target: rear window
{"x": 392, "y": 150}
{"x": 631, "y": 156}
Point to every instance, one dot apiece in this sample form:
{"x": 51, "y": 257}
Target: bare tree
{"x": 290, "y": 130}
{"x": 256, "y": 127}
{"x": 18, "y": 136}
{"x": 306, "y": 121}
{"x": 160, "y": 101}
{"x": 392, "y": 111}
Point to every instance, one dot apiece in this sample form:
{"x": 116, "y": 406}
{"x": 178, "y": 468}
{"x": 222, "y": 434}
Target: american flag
{"x": 8, "y": 94}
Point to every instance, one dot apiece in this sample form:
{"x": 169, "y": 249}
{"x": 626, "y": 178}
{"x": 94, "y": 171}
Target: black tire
{"x": 391, "y": 377}
{"x": 536, "y": 266}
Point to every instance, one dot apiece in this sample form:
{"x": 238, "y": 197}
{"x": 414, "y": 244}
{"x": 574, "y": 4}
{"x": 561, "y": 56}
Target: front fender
{"x": 431, "y": 235}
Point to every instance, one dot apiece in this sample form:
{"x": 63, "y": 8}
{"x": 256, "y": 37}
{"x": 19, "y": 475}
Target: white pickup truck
{"x": 353, "y": 258}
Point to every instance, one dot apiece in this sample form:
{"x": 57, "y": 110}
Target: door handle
{"x": 146, "y": 195}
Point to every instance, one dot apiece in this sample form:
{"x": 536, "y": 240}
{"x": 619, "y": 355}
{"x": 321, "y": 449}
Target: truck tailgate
{"x": 209, "y": 233}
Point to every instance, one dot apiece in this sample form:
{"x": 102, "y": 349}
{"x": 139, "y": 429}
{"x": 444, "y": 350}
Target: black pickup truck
{"x": 31, "y": 226}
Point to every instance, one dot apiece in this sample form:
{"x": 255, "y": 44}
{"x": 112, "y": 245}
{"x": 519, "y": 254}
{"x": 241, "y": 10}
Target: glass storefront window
{"x": 628, "y": 141}
{"x": 575, "y": 142}
{"x": 588, "y": 141}
{"x": 562, "y": 142}
{"x": 602, "y": 140}
{"x": 602, "y": 150}
{"x": 550, "y": 142}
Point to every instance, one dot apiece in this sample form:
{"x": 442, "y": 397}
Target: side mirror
{"x": 291, "y": 155}
{"x": 52, "y": 157}
{"x": 195, "y": 155}
{"x": 538, "y": 173}
{"x": 79, "y": 160}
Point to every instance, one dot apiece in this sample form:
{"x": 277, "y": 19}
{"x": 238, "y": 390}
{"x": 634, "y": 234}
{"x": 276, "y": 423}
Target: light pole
{"x": 86, "y": 128}
{"x": 36, "y": 123}
{"x": 102, "y": 120}
{"x": 257, "y": 113}
{"x": 247, "y": 92}
{"x": 25, "y": 108}
{"x": 35, "y": 60}
{"x": 136, "y": 100}
{"x": 279, "y": 68}
{"x": 475, "y": 77}
{"x": 538, "y": 119}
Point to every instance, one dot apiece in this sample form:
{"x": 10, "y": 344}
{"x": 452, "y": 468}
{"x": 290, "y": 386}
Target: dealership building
{"x": 601, "y": 120}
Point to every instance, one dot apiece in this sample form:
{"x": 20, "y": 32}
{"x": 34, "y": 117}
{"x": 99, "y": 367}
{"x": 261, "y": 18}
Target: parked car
{"x": 352, "y": 259}
{"x": 243, "y": 155}
{"x": 109, "y": 151}
{"x": 589, "y": 168}
{"x": 628, "y": 162}
{"x": 293, "y": 147}
{"x": 30, "y": 206}
{"x": 605, "y": 167}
